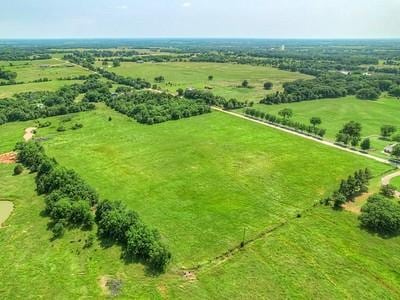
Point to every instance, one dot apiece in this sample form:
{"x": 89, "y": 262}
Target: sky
{"x": 200, "y": 18}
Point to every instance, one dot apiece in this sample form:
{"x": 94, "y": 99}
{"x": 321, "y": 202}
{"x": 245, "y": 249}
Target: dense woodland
{"x": 151, "y": 108}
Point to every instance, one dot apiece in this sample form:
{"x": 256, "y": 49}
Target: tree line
{"x": 34, "y": 105}
{"x": 70, "y": 202}
{"x": 151, "y": 108}
{"x": 86, "y": 60}
{"x": 334, "y": 85}
{"x": 210, "y": 99}
{"x": 285, "y": 121}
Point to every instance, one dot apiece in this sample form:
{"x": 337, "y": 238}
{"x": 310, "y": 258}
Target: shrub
{"x": 139, "y": 241}
{"x": 18, "y": 169}
{"x": 368, "y": 94}
{"x": 77, "y": 126}
{"x": 268, "y": 85}
{"x": 61, "y": 128}
{"x": 381, "y": 215}
{"x": 114, "y": 220}
{"x": 365, "y": 144}
{"x": 89, "y": 241}
{"x": 58, "y": 230}
{"x": 388, "y": 190}
{"x": 387, "y": 130}
{"x": 159, "y": 257}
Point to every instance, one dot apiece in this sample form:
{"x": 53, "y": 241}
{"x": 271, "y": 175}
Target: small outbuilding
{"x": 389, "y": 149}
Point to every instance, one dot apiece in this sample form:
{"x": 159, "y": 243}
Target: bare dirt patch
{"x": 355, "y": 206}
{"x": 8, "y": 158}
{"x": 110, "y": 286}
{"x": 29, "y": 132}
{"x": 6, "y": 208}
{"x": 189, "y": 275}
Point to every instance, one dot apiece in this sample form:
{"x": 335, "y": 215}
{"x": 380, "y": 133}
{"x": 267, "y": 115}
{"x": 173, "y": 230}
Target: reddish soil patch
{"x": 8, "y": 158}
{"x": 189, "y": 275}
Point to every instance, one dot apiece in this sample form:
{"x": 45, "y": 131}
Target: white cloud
{"x": 187, "y": 4}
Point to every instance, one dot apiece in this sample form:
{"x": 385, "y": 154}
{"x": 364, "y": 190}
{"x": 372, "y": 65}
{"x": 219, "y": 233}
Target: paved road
{"x": 327, "y": 143}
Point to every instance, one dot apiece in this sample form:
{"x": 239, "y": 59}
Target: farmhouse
{"x": 389, "y": 149}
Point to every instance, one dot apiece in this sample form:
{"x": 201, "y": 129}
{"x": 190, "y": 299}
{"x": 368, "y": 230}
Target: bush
{"x": 61, "y": 128}
{"x": 58, "y": 230}
{"x": 77, "y": 126}
{"x": 268, "y": 85}
{"x": 368, "y": 94}
{"x": 381, "y": 215}
{"x": 388, "y": 191}
{"x": 18, "y": 169}
{"x": 366, "y": 144}
{"x": 159, "y": 257}
{"x": 89, "y": 241}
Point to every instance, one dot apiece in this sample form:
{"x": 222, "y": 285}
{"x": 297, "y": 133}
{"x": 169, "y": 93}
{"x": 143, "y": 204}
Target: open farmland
{"x": 9, "y": 90}
{"x": 145, "y": 181}
{"x": 199, "y": 198}
{"x": 227, "y": 78}
{"x": 201, "y": 184}
{"x": 334, "y": 113}
{"x": 51, "y": 69}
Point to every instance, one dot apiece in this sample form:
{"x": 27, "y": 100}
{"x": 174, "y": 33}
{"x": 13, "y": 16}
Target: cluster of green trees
{"x": 8, "y": 75}
{"x": 23, "y": 53}
{"x": 210, "y": 99}
{"x": 159, "y": 79}
{"x": 151, "y": 108}
{"x": 349, "y": 189}
{"x": 334, "y": 85}
{"x": 34, "y": 105}
{"x": 381, "y": 215}
{"x": 68, "y": 198}
{"x": 285, "y": 121}
{"x": 387, "y": 131}
{"x": 119, "y": 224}
{"x": 70, "y": 202}
{"x": 350, "y": 134}
{"x": 137, "y": 83}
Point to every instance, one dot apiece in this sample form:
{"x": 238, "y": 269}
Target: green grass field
{"x": 200, "y": 181}
{"x": 9, "y": 90}
{"x": 50, "y": 68}
{"x": 207, "y": 172}
{"x": 336, "y": 112}
{"x": 396, "y": 182}
{"x": 227, "y": 77}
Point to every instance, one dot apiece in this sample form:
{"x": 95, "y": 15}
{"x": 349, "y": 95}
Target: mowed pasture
{"x": 336, "y": 112}
{"x": 203, "y": 180}
{"x": 200, "y": 181}
{"x": 227, "y": 78}
{"x": 396, "y": 183}
{"x": 7, "y": 91}
{"x": 52, "y": 69}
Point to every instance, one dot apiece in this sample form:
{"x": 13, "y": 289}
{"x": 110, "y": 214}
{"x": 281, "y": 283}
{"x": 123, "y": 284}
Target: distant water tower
{"x": 283, "y": 48}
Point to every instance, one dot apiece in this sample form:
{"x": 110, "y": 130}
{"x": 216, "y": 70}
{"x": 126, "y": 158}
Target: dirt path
{"x": 6, "y": 208}
{"x": 29, "y": 132}
{"x": 386, "y": 180}
{"x": 330, "y": 144}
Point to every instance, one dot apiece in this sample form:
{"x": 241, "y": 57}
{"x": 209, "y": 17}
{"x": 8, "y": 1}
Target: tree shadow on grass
{"x": 382, "y": 235}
